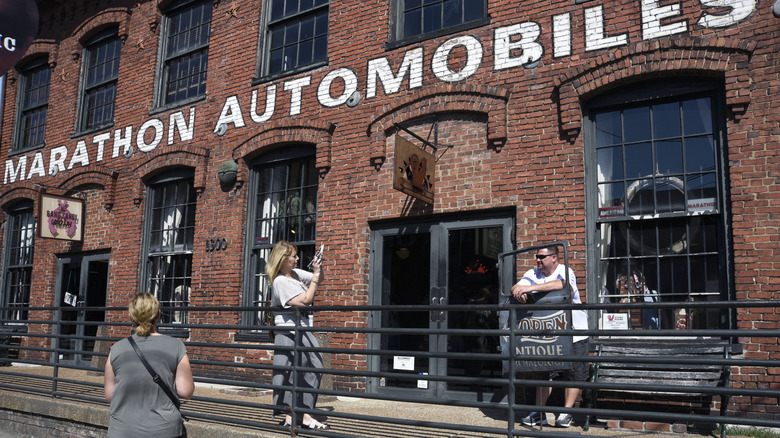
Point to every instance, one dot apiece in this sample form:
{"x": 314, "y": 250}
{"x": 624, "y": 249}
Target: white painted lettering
{"x": 186, "y": 133}
{"x": 101, "y": 140}
{"x": 37, "y": 167}
{"x": 652, "y": 14}
{"x": 594, "y": 31}
{"x": 231, "y": 113}
{"x": 270, "y": 105}
{"x": 120, "y": 141}
{"x": 562, "y": 35}
{"x": 380, "y": 69}
{"x": 740, "y": 9}
{"x": 295, "y": 87}
{"x": 525, "y": 37}
{"x": 57, "y": 158}
{"x": 140, "y": 139}
{"x": 9, "y": 43}
{"x": 440, "y": 62}
{"x": 350, "y": 86}
{"x": 80, "y": 155}
{"x": 12, "y": 173}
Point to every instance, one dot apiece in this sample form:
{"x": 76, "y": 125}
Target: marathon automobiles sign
{"x": 514, "y": 46}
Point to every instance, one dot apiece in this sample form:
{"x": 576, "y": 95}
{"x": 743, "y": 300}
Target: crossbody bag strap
{"x": 155, "y": 376}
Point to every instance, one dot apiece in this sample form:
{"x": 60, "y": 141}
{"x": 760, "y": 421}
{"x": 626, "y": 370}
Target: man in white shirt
{"x": 549, "y": 275}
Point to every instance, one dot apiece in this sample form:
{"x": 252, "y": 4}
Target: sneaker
{"x": 564, "y": 420}
{"x": 534, "y": 419}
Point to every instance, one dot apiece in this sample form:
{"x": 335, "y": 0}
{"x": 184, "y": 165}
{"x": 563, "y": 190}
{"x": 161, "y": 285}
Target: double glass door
{"x": 82, "y": 283}
{"x": 444, "y": 263}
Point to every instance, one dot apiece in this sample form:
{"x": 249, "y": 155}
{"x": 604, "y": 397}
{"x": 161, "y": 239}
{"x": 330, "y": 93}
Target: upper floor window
{"x": 33, "y": 104}
{"x": 185, "y": 51}
{"x": 284, "y": 207}
{"x": 101, "y": 70}
{"x": 296, "y": 35}
{"x": 658, "y": 180}
{"x": 169, "y": 234}
{"x": 428, "y": 18}
{"x": 17, "y": 272}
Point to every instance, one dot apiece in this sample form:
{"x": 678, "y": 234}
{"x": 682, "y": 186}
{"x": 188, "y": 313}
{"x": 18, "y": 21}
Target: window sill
{"x": 390, "y": 45}
{"x": 175, "y": 105}
{"x": 269, "y": 78}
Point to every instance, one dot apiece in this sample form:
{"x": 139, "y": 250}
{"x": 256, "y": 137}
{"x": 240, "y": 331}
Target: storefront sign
{"x": 61, "y": 218}
{"x": 414, "y": 170}
{"x": 549, "y": 347}
{"x": 516, "y": 46}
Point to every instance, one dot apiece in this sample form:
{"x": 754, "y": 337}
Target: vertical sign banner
{"x": 18, "y": 27}
{"x": 414, "y": 170}
{"x": 61, "y": 218}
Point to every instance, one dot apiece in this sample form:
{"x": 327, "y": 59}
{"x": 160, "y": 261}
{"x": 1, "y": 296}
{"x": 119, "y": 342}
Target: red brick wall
{"x": 517, "y": 134}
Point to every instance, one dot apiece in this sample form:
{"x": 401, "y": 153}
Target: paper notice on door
{"x": 403, "y": 363}
{"x": 422, "y": 384}
{"x": 614, "y": 321}
{"x": 70, "y": 299}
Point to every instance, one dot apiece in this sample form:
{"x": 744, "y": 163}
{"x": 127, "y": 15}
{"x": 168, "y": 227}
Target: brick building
{"x": 165, "y": 146}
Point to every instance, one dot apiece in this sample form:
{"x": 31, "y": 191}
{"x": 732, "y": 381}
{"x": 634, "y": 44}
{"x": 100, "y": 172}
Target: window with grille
{"x": 34, "y": 104}
{"x": 658, "y": 179}
{"x": 416, "y": 19}
{"x": 284, "y": 207}
{"x": 100, "y": 74}
{"x": 20, "y": 242}
{"x": 170, "y": 231}
{"x": 187, "y": 29}
{"x": 296, "y": 35}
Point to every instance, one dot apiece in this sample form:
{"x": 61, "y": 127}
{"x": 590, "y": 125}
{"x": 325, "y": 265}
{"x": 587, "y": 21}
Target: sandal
{"x": 317, "y": 425}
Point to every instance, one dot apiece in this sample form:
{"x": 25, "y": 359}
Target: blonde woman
{"x": 139, "y": 407}
{"x": 292, "y": 287}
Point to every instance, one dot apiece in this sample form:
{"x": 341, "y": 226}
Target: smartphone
{"x": 319, "y": 254}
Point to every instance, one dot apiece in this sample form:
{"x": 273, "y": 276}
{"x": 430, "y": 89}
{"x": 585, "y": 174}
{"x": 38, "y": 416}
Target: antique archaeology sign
{"x": 61, "y": 218}
{"x": 414, "y": 170}
{"x": 18, "y": 26}
{"x": 545, "y": 350}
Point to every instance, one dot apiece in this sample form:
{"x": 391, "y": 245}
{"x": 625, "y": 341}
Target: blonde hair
{"x": 279, "y": 254}
{"x": 144, "y": 309}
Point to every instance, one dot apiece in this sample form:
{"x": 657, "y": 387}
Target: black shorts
{"x": 579, "y": 371}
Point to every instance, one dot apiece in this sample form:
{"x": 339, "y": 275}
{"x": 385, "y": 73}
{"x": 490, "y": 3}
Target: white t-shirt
{"x": 283, "y": 289}
{"x": 579, "y": 317}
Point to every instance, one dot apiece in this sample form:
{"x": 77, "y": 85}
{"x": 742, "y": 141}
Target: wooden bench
{"x": 660, "y": 370}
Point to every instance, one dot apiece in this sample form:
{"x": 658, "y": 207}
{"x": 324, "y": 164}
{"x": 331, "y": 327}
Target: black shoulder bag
{"x": 159, "y": 381}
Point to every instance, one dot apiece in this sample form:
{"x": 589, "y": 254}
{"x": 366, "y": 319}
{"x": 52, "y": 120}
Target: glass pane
{"x": 637, "y": 124}
{"x": 473, "y": 10}
{"x": 669, "y": 157}
{"x": 640, "y": 197}
{"x": 277, "y": 9}
{"x": 702, "y": 193}
{"x": 639, "y": 160}
{"x": 697, "y": 116}
{"x": 453, "y": 14}
{"x": 704, "y": 234}
{"x": 672, "y": 236}
{"x": 670, "y": 195}
{"x": 699, "y": 154}
{"x": 431, "y": 18}
{"x": 610, "y": 162}
{"x": 614, "y": 240}
{"x": 666, "y": 120}
{"x": 611, "y": 197}
{"x": 413, "y": 23}
{"x": 641, "y": 237}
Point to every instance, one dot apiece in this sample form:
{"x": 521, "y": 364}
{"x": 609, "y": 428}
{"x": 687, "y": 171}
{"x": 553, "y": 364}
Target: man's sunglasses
{"x": 543, "y": 256}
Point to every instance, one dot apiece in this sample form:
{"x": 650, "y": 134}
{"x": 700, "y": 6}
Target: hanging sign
{"x": 18, "y": 26}
{"x": 414, "y": 170}
{"x": 61, "y": 218}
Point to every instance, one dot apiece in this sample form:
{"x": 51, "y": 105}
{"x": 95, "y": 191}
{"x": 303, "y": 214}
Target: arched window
{"x": 655, "y": 160}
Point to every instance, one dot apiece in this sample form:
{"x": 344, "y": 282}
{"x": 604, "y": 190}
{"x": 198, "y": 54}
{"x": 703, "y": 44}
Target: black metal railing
{"x": 355, "y": 370}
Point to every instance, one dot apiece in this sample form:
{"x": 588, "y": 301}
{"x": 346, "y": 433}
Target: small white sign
{"x": 703, "y": 204}
{"x": 422, "y": 384}
{"x": 403, "y": 363}
{"x": 70, "y": 299}
{"x": 614, "y": 321}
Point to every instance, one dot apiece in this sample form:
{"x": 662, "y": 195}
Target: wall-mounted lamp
{"x": 228, "y": 172}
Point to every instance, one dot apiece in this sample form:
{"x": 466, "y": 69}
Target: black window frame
{"x": 35, "y": 79}
{"x": 167, "y": 267}
{"x": 278, "y": 221}
{"x": 172, "y": 56}
{"x": 705, "y": 233}
{"x": 18, "y": 260}
{"x": 400, "y": 16}
{"x": 99, "y": 78}
{"x": 318, "y": 12}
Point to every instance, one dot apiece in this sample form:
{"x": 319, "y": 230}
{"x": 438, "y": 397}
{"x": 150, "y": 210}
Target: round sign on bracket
{"x": 18, "y": 27}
